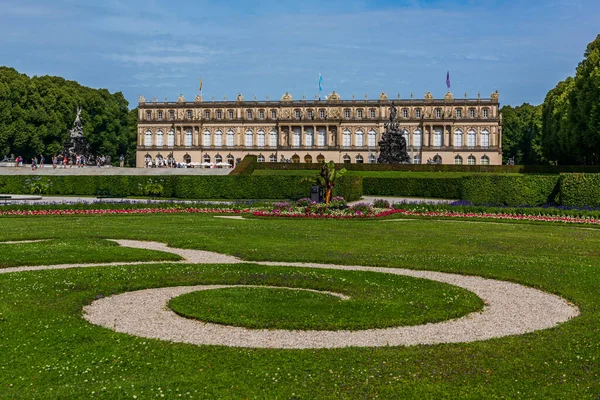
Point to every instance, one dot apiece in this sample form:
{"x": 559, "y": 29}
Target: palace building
{"x": 447, "y": 131}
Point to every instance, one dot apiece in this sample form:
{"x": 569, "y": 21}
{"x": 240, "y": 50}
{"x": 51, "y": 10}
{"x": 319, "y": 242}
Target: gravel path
{"x": 511, "y": 309}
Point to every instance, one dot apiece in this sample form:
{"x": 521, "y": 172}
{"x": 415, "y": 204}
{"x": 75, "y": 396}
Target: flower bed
{"x": 189, "y": 210}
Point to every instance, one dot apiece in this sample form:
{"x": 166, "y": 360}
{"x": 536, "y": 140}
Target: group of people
{"x": 77, "y": 160}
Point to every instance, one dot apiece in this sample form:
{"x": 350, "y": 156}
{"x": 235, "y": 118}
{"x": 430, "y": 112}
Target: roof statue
{"x": 239, "y": 97}
{"x": 286, "y": 97}
{"x": 198, "y": 99}
{"x": 428, "y": 96}
{"x": 495, "y": 95}
{"x": 333, "y": 96}
{"x": 449, "y": 96}
{"x": 181, "y": 99}
{"x": 383, "y": 96}
{"x": 141, "y": 99}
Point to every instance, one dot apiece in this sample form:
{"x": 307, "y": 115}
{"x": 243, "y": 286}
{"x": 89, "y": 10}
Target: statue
{"x": 392, "y": 146}
{"x": 77, "y": 145}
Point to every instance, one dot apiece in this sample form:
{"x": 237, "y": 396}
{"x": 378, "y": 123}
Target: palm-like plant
{"x": 328, "y": 177}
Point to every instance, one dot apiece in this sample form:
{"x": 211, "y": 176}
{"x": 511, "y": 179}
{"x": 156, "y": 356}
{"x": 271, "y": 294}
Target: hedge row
{"x": 511, "y": 190}
{"x": 580, "y": 190}
{"x": 446, "y": 188}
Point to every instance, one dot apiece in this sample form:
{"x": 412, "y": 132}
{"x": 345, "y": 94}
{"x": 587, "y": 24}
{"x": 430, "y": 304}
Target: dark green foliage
{"x": 580, "y": 190}
{"x": 36, "y": 115}
{"x": 521, "y": 134}
{"x": 446, "y": 188}
{"x": 349, "y": 187}
{"x": 246, "y": 166}
{"x": 525, "y": 190}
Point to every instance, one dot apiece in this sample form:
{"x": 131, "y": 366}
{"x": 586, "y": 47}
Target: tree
{"x": 522, "y": 133}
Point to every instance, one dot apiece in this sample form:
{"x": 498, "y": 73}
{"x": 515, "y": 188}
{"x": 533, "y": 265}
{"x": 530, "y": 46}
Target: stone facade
{"x": 449, "y": 130}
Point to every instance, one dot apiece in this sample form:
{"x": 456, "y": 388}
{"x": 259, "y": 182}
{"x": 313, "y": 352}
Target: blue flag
{"x": 448, "y": 79}
{"x": 320, "y": 82}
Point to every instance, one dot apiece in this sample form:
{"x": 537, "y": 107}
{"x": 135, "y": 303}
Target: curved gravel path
{"x": 511, "y": 309}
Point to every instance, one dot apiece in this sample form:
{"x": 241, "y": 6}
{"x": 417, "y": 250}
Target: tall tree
{"x": 521, "y": 134}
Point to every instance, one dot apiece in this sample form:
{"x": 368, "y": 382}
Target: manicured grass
{"x": 70, "y": 251}
{"x": 49, "y": 351}
{"x": 376, "y": 301}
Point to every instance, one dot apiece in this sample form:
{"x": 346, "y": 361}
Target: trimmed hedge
{"x": 349, "y": 187}
{"x": 580, "y": 190}
{"x": 510, "y": 190}
{"x": 446, "y": 188}
{"x": 246, "y": 166}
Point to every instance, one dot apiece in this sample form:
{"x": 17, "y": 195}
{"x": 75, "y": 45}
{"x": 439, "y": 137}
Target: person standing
{"x": 121, "y": 161}
{"x": 42, "y": 159}
{"x": 54, "y": 161}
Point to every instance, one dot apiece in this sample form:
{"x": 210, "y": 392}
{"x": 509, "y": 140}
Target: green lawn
{"x": 48, "y": 351}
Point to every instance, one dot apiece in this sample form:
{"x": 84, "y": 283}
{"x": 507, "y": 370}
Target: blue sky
{"x": 267, "y": 47}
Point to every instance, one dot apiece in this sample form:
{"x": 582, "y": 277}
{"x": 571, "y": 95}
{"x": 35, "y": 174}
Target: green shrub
{"x": 447, "y": 188}
{"x": 511, "y": 190}
{"x": 246, "y": 166}
{"x": 580, "y": 190}
{"x": 349, "y": 187}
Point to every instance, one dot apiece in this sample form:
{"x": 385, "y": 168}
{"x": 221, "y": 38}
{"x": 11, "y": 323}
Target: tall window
{"x": 206, "y": 158}
{"x": 218, "y": 139}
{"x": 273, "y": 138}
{"x": 347, "y": 141}
{"x": 405, "y": 112}
{"x": 260, "y": 138}
{"x": 148, "y": 115}
{"x": 172, "y": 115}
{"x": 322, "y": 114}
{"x": 438, "y": 113}
{"x": 458, "y": 138}
{"x": 359, "y": 159}
{"x": 298, "y": 113}
{"x": 230, "y": 114}
{"x": 296, "y": 140}
{"x": 471, "y": 160}
{"x": 273, "y": 114}
{"x": 230, "y": 160}
{"x": 485, "y": 138}
{"x": 347, "y": 159}
{"x": 171, "y": 138}
{"x": 360, "y": 138}
{"x": 148, "y": 139}
{"x": 458, "y": 160}
{"x": 417, "y": 159}
{"x": 230, "y": 138}
{"x": 418, "y": 138}
{"x": 189, "y": 138}
{"x": 189, "y": 114}
{"x": 458, "y": 113}
{"x": 418, "y": 113}
{"x": 347, "y": 113}
{"x": 272, "y": 158}
{"x": 249, "y": 114}
{"x": 437, "y": 137}
{"x": 471, "y": 112}
{"x": 249, "y": 138}
{"x": 486, "y": 113}
{"x": 160, "y": 139}
{"x": 372, "y": 159}
{"x": 261, "y": 115}
{"x": 485, "y": 160}
{"x": 160, "y": 115}
{"x": 207, "y": 114}
{"x": 372, "y": 111}
{"x": 321, "y": 137}
{"x": 218, "y": 159}
{"x": 372, "y": 141}
{"x": 310, "y": 137}
{"x": 405, "y": 136}
{"x": 472, "y": 138}
{"x": 206, "y": 141}
{"x": 219, "y": 114}
{"x": 359, "y": 113}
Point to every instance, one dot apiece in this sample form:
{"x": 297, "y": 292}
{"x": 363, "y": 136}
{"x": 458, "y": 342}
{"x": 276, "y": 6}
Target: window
{"x": 261, "y": 115}
{"x": 417, "y": 159}
{"x": 418, "y": 138}
{"x": 188, "y": 138}
{"x": 438, "y": 113}
{"x": 273, "y": 138}
{"x": 405, "y": 112}
{"x": 260, "y": 158}
{"x": 298, "y": 114}
{"x": 219, "y": 114}
{"x": 218, "y": 159}
{"x": 187, "y": 158}
{"x": 458, "y": 113}
{"x": 359, "y": 113}
{"x": 310, "y": 114}
{"x": 347, "y": 141}
{"x": 308, "y": 159}
{"x": 260, "y": 139}
{"x": 405, "y": 136}
{"x": 471, "y": 160}
{"x": 458, "y": 138}
{"x": 310, "y": 137}
{"x": 206, "y": 141}
{"x": 360, "y": 138}
{"x": 472, "y": 138}
{"x": 320, "y": 158}
{"x": 272, "y": 158}
{"x": 418, "y": 113}
{"x": 347, "y": 159}
{"x": 485, "y": 160}
{"x": 359, "y": 159}
{"x": 148, "y": 115}
{"x": 273, "y": 114}
{"x": 372, "y": 159}
{"x": 486, "y": 113}
{"x": 172, "y": 115}
{"x": 372, "y": 140}
{"x": 372, "y": 111}
{"x": 148, "y": 139}
{"x": 206, "y": 158}
{"x": 249, "y": 114}
{"x": 189, "y": 114}
{"x": 322, "y": 114}
{"x": 207, "y": 114}
{"x": 485, "y": 138}
{"x": 437, "y": 137}
{"x": 297, "y": 137}
{"x": 230, "y": 114}
{"x": 230, "y": 160}
{"x": 218, "y": 139}
{"x": 160, "y": 139}
{"x": 249, "y": 138}
{"x": 160, "y": 115}
{"x": 347, "y": 113}
{"x": 458, "y": 160}
{"x": 171, "y": 138}
{"x": 230, "y": 138}
{"x": 295, "y": 158}
{"x": 321, "y": 137}
{"x": 471, "y": 113}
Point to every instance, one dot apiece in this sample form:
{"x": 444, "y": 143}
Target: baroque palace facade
{"x": 447, "y": 131}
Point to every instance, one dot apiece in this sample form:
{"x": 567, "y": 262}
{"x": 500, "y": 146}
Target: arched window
{"x": 272, "y": 158}
{"x": 458, "y": 160}
{"x": 472, "y": 138}
{"x": 471, "y": 160}
{"x": 372, "y": 159}
{"x": 321, "y": 137}
{"x": 260, "y": 139}
{"x": 438, "y": 137}
{"x": 187, "y": 158}
{"x": 417, "y": 159}
{"x": 372, "y": 141}
{"x": 206, "y": 158}
{"x": 320, "y": 158}
{"x": 405, "y": 136}
{"x": 418, "y": 138}
{"x": 249, "y": 138}
{"x": 297, "y": 138}
{"x": 296, "y": 158}
{"x": 188, "y": 138}
{"x": 308, "y": 159}
{"x": 485, "y": 138}
{"x": 260, "y": 158}
{"x": 230, "y": 138}
{"x": 347, "y": 159}
{"x": 230, "y": 159}
{"x": 310, "y": 137}
{"x": 485, "y": 160}
{"x": 347, "y": 141}
{"x": 359, "y": 159}
{"x": 218, "y": 159}
{"x": 218, "y": 139}
{"x": 360, "y": 138}
{"x": 458, "y": 138}
{"x": 160, "y": 138}
{"x": 273, "y": 138}
{"x": 437, "y": 159}
{"x": 206, "y": 141}
{"x": 148, "y": 138}
{"x": 171, "y": 138}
